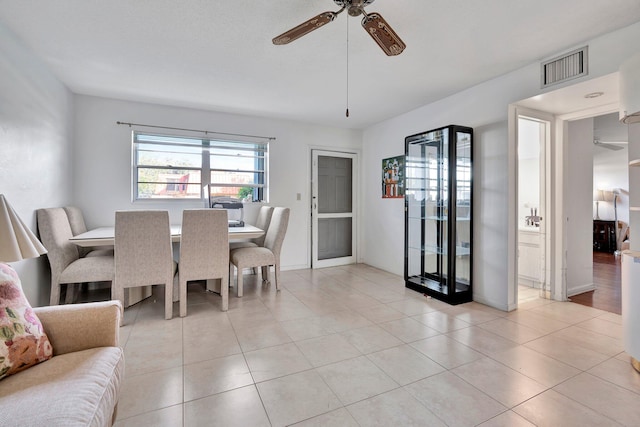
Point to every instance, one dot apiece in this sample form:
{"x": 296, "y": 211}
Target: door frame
{"x": 356, "y": 208}
{"x": 557, "y": 157}
{"x": 552, "y": 194}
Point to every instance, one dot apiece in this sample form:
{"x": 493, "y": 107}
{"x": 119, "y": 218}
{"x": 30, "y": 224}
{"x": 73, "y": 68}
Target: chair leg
{"x": 265, "y": 274}
{"x": 113, "y": 289}
{"x": 277, "y": 275}
{"x": 168, "y": 299}
{"x": 224, "y": 293}
{"x": 70, "y": 295}
{"x": 55, "y": 293}
{"x": 118, "y": 293}
{"x": 183, "y": 298}
{"x": 239, "y": 281}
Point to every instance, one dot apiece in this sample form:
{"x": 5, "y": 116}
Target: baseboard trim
{"x": 493, "y": 304}
{"x": 581, "y": 289}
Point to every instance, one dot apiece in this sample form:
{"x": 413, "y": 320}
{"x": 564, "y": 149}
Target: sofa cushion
{"x": 23, "y": 342}
{"x": 74, "y": 389}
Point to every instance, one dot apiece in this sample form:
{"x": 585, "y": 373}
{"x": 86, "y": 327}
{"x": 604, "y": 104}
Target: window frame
{"x": 206, "y": 145}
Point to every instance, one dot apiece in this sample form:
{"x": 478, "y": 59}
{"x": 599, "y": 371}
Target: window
{"x": 178, "y": 167}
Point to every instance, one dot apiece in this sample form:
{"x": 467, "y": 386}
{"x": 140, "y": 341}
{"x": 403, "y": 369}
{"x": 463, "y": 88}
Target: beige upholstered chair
{"x": 78, "y": 226}
{"x": 80, "y": 385}
{"x": 204, "y": 251}
{"x": 262, "y": 222}
{"x": 143, "y": 253}
{"x": 66, "y": 265}
{"x": 263, "y": 256}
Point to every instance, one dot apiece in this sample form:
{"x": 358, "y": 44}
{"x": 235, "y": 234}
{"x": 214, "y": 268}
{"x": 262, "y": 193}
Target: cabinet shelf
{"x": 635, "y": 208}
{"x": 635, "y": 162}
{"x": 439, "y": 218}
{"x": 434, "y": 250}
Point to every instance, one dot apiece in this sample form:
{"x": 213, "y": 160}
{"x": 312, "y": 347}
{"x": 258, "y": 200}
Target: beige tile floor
{"x": 351, "y": 346}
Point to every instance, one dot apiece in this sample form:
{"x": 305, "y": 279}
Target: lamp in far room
{"x": 17, "y": 242}
{"x": 598, "y": 197}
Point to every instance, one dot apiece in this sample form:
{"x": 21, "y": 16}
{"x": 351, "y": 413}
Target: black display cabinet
{"x": 439, "y": 213}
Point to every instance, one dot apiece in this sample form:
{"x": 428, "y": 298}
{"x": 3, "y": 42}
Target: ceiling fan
{"x": 373, "y": 23}
{"x": 610, "y": 145}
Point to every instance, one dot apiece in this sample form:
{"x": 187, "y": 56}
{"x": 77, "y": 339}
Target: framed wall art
{"x": 393, "y": 178}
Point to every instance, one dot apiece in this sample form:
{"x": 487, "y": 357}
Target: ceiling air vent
{"x": 566, "y": 67}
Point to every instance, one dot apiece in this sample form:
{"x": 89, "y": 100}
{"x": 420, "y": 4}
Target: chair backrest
{"x": 143, "y": 251}
{"x": 76, "y": 220}
{"x": 262, "y": 222}
{"x": 78, "y": 226}
{"x": 204, "y": 244}
{"x": 55, "y": 233}
{"x": 277, "y": 230}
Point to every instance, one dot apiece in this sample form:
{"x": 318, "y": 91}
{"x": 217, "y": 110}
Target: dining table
{"x": 105, "y": 236}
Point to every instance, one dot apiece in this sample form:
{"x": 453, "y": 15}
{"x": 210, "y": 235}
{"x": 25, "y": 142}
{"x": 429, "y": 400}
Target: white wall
{"x": 610, "y": 168}
{"x": 578, "y": 207}
{"x": 484, "y": 107}
{"x": 634, "y": 187}
{"x": 102, "y": 162}
{"x": 610, "y": 171}
{"x": 528, "y": 169}
{"x": 36, "y": 134}
{"x": 528, "y": 189}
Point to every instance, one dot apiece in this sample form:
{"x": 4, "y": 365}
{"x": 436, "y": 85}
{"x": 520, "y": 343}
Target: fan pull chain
{"x": 347, "y": 112}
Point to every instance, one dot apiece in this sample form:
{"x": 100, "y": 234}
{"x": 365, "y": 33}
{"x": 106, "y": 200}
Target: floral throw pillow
{"x": 23, "y": 342}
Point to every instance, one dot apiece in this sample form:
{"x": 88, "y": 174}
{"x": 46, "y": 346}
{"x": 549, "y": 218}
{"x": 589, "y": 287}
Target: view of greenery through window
{"x": 170, "y": 167}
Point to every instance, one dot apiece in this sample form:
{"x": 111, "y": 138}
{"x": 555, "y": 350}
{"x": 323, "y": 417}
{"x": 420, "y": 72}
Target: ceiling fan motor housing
{"x": 354, "y": 7}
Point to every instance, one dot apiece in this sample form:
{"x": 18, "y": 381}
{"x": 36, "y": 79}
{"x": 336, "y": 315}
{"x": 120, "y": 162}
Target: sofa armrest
{"x": 76, "y": 327}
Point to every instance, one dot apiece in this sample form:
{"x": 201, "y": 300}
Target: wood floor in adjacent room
{"x": 606, "y": 277}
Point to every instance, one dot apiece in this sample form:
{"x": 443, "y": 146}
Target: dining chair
{"x": 265, "y": 256}
{"x": 144, "y": 254}
{"x": 204, "y": 251}
{"x": 78, "y": 226}
{"x": 66, "y": 265}
{"x": 262, "y": 222}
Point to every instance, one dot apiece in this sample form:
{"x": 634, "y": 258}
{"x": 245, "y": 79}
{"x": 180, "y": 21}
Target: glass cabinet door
{"x": 438, "y": 212}
{"x": 463, "y": 211}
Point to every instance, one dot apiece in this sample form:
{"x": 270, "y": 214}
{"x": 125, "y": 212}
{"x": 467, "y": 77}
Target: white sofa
{"x": 80, "y": 384}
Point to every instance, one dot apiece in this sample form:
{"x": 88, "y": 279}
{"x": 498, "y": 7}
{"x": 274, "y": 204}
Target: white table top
{"x": 104, "y": 236}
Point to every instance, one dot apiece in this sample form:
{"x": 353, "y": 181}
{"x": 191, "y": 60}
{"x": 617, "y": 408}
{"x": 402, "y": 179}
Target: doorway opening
{"x": 610, "y": 213}
{"x": 569, "y": 243}
{"x": 533, "y": 139}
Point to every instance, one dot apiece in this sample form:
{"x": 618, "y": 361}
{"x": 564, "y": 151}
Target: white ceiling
{"x": 217, "y": 54}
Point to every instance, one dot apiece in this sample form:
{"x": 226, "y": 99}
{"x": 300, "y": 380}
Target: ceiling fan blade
{"x": 305, "y": 28}
{"x": 608, "y": 145}
{"x": 383, "y": 34}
